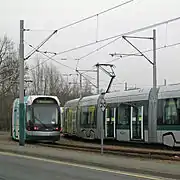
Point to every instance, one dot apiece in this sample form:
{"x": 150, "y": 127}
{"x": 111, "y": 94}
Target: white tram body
{"x": 41, "y": 118}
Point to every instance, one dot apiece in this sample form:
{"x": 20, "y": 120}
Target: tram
{"x": 127, "y": 117}
{"x": 42, "y": 118}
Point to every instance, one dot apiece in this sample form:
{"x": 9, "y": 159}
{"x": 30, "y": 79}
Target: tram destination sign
{"x": 44, "y": 101}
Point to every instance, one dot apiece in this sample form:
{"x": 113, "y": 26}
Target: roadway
{"x": 19, "y": 167}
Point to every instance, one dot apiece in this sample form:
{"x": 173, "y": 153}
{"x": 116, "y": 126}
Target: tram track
{"x": 131, "y": 152}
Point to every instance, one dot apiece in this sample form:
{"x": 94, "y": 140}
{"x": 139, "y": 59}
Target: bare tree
{"x": 87, "y": 90}
{"x": 9, "y": 74}
{"x": 8, "y": 65}
{"x": 48, "y": 80}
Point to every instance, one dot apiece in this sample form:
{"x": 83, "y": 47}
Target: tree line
{"x": 45, "y": 79}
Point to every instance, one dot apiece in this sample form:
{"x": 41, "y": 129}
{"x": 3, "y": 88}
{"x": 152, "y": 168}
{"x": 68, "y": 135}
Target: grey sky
{"x": 52, "y": 14}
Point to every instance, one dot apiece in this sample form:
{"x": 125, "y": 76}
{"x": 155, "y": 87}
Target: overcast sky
{"x": 48, "y": 15}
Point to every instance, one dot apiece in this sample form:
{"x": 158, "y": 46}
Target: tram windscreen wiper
{"x": 40, "y": 121}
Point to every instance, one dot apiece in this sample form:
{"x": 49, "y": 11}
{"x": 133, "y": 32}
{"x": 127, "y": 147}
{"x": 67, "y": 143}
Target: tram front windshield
{"x": 45, "y": 114}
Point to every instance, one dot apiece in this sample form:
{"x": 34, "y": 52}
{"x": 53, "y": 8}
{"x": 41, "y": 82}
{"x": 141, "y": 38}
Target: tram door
{"x": 110, "y": 125}
{"x": 137, "y": 130}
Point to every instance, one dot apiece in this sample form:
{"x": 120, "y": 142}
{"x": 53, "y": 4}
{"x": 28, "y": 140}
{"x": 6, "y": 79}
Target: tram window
{"x": 66, "y": 114}
{"x": 84, "y": 116}
{"x": 70, "y": 115}
{"x": 108, "y": 112}
{"x": 74, "y": 115}
{"x": 28, "y": 113}
{"x": 123, "y": 114}
{"x": 91, "y": 116}
{"x": 94, "y": 118}
{"x": 171, "y": 111}
{"x": 112, "y": 114}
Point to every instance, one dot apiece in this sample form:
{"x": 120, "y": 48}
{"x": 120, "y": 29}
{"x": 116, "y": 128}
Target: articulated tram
{"x": 42, "y": 118}
{"x": 127, "y": 117}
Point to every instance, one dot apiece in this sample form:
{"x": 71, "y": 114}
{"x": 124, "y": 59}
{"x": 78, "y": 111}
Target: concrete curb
{"x": 90, "y": 163}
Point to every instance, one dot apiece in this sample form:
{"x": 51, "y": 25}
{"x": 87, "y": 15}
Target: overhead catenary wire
{"x": 40, "y": 45}
{"x": 149, "y": 50}
{"x": 74, "y": 23}
{"x": 87, "y": 18}
{"x": 95, "y": 15}
{"x": 130, "y": 32}
{"x": 162, "y": 47}
{"x": 145, "y": 51}
{"x": 119, "y": 35}
{"x": 113, "y": 37}
{"x": 50, "y": 58}
{"x": 97, "y": 49}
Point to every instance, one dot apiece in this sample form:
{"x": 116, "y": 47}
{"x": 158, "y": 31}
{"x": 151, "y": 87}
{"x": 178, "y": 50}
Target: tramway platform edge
{"x": 150, "y": 167}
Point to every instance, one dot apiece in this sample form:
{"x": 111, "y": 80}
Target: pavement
{"x": 166, "y": 169}
{"x": 17, "y": 168}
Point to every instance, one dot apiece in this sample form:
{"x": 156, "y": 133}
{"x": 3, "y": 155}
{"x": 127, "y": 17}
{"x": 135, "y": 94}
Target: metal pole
{"x": 102, "y": 133}
{"x": 97, "y": 78}
{"x": 101, "y": 122}
{"x": 125, "y": 88}
{"x": 154, "y": 117}
{"x": 80, "y": 85}
{"x": 21, "y": 93}
{"x": 154, "y": 59}
{"x": 164, "y": 82}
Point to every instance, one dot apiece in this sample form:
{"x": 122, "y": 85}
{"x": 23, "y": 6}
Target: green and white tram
{"x": 42, "y": 118}
{"x": 127, "y": 116}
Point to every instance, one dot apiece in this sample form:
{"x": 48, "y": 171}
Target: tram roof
{"x": 29, "y": 99}
{"x": 128, "y": 96}
{"x": 89, "y": 100}
{"x": 72, "y": 103}
{"x": 170, "y": 91}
